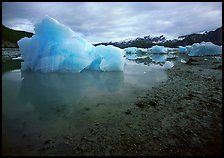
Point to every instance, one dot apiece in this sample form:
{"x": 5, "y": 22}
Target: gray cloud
{"x": 113, "y": 21}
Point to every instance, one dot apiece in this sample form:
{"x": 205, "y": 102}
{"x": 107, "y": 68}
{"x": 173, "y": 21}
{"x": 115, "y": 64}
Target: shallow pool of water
{"x": 37, "y": 106}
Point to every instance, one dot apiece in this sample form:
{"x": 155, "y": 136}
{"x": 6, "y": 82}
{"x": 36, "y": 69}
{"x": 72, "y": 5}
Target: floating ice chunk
{"x": 17, "y": 58}
{"x": 131, "y": 50}
{"x": 189, "y": 48}
{"x": 56, "y": 48}
{"x": 168, "y": 65}
{"x": 204, "y": 49}
{"x": 131, "y": 56}
{"x": 133, "y": 53}
{"x": 158, "y": 49}
{"x": 158, "y": 58}
{"x": 182, "y": 49}
{"x": 108, "y": 58}
{"x": 218, "y": 58}
{"x": 135, "y": 50}
{"x": 183, "y": 61}
{"x": 171, "y": 50}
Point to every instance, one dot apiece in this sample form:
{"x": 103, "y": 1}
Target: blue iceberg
{"x": 205, "y": 49}
{"x": 182, "y": 50}
{"x": 189, "y": 48}
{"x": 56, "y": 48}
{"x": 135, "y": 50}
{"x": 158, "y": 58}
{"x": 133, "y": 53}
{"x": 158, "y": 49}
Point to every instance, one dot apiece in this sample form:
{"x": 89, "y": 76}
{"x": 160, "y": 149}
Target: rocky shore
{"x": 182, "y": 116}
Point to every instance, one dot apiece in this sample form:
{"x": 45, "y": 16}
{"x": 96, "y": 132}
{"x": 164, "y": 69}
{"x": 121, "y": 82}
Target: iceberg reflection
{"x": 50, "y": 89}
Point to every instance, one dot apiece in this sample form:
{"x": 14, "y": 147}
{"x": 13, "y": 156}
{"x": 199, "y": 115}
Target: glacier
{"x": 56, "y": 48}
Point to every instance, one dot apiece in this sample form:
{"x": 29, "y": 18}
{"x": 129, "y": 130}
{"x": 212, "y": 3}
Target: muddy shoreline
{"x": 181, "y": 116}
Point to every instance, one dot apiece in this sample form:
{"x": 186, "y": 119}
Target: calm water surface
{"x": 39, "y": 106}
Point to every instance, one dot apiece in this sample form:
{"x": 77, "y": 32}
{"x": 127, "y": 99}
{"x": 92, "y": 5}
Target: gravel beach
{"x": 182, "y": 116}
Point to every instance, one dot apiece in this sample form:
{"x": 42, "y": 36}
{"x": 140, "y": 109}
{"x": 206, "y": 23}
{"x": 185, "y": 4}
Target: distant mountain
{"x": 146, "y": 42}
{"x": 10, "y": 36}
{"x": 212, "y": 36}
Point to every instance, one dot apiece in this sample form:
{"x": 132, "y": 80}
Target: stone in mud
{"x": 153, "y": 103}
{"x": 128, "y": 112}
{"x": 140, "y": 104}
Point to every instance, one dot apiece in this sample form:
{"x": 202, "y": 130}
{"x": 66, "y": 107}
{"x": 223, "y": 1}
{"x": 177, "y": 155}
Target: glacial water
{"x": 39, "y": 106}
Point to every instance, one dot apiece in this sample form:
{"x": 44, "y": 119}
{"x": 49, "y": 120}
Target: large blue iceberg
{"x": 204, "y": 49}
{"x": 56, "y": 48}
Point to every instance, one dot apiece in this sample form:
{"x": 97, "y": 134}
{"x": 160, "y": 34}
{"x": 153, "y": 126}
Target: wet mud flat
{"x": 180, "y": 116}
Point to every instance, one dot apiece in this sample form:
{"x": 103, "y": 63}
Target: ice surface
{"x": 158, "y": 49}
{"x": 171, "y": 50}
{"x": 133, "y": 53}
{"x": 183, "y": 61}
{"x": 204, "y": 49}
{"x": 182, "y": 49}
{"x": 168, "y": 65}
{"x": 56, "y": 48}
{"x": 131, "y": 50}
{"x": 158, "y": 58}
{"x": 135, "y": 50}
{"x": 107, "y": 58}
{"x": 189, "y": 48}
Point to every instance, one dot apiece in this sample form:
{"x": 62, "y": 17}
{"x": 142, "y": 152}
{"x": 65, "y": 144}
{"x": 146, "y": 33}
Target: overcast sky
{"x": 114, "y": 21}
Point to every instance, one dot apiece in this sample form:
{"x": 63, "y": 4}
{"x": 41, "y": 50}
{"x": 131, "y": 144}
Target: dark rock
{"x": 219, "y": 67}
{"x": 128, "y": 124}
{"x": 47, "y": 142}
{"x": 122, "y": 133}
{"x": 140, "y": 104}
{"x": 128, "y": 112}
{"x": 191, "y": 61}
{"x": 24, "y": 135}
{"x": 97, "y": 123}
{"x": 153, "y": 103}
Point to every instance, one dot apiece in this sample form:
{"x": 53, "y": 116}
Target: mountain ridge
{"x": 147, "y": 41}
{"x": 10, "y": 36}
